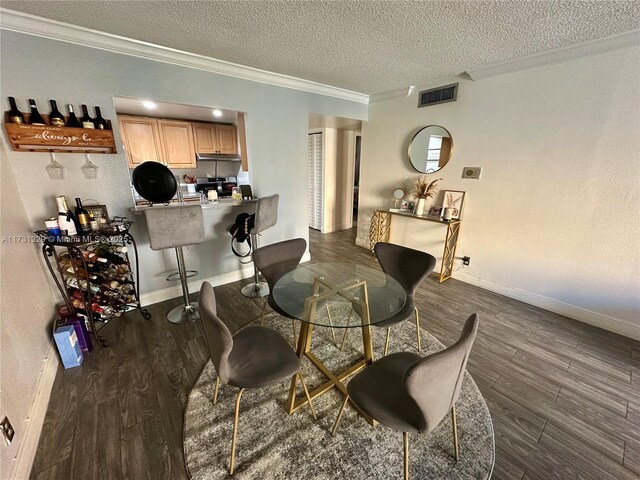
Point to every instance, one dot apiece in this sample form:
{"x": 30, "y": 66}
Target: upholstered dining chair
{"x": 275, "y": 261}
{"x": 412, "y": 394}
{"x": 409, "y": 267}
{"x": 254, "y": 357}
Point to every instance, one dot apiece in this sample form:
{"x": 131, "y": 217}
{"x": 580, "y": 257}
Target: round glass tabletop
{"x": 325, "y": 293}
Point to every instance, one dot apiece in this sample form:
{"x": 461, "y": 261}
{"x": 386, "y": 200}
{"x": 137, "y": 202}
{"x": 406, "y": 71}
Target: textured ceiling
{"x": 365, "y": 46}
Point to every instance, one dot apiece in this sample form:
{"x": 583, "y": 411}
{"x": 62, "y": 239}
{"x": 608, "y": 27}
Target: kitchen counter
{"x": 223, "y": 203}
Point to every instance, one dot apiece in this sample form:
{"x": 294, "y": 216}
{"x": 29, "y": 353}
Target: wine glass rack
{"x": 69, "y": 263}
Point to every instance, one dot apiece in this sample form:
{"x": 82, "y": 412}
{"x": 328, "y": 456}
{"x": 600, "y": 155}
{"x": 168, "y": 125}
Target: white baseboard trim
{"x": 335, "y": 228}
{"x": 176, "y": 291}
{"x": 572, "y": 311}
{"x": 33, "y": 424}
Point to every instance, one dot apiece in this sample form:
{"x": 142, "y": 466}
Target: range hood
{"x": 217, "y": 157}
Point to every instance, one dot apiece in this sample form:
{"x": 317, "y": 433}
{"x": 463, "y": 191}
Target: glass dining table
{"x": 304, "y": 292}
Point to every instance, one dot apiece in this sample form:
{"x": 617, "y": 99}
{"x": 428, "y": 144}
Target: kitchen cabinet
{"x": 178, "y": 148}
{"x": 141, "y": 140}
{"x": 215, "y": 138}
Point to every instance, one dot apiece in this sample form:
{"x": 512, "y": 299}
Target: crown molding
{"x": 43, "y": 27}
{"x": 594, "y": 47}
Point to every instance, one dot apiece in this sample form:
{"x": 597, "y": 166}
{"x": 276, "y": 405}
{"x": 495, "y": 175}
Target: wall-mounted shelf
{"x": 34, "y": 138}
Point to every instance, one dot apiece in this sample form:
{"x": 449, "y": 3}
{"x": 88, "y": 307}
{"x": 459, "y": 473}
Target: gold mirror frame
{"x": 411, "y": 161}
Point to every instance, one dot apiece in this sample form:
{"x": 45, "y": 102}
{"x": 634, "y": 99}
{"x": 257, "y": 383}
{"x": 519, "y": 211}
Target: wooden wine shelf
{"x": 34, "y": 138}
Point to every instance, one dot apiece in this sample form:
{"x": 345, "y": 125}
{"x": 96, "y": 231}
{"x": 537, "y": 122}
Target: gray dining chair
{"x": 408, "y": 267}
{"x": 275, "y": 261}
{"x": 254, "y": 357}
{"x": 412, "y": 394}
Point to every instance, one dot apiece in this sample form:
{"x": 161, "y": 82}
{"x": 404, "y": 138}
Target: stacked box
{"x": 80, "y": 327}
{"x": 68, "y": 346}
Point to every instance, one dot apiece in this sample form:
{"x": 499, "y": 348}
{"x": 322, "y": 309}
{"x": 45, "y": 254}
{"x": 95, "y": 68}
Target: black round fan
{"x": 154, "y": 182}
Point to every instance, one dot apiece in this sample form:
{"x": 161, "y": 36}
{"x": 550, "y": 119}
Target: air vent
{"x": 433, "y": 96}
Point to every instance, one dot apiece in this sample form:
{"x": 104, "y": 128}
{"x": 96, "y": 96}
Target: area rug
{"x": 272, "y": 444}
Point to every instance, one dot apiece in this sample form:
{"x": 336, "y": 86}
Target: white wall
{"x": 554, "y": 220}
{"x": 338, "y": 167}
{"x": 38, "y": 68}
{"x": 25, "y": 313}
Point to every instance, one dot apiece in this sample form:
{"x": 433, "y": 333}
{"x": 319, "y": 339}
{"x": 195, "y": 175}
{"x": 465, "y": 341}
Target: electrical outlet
{"x": 466, "y": 260}
{"x": 472, "y": 172}
{"x": 7, "y": 430}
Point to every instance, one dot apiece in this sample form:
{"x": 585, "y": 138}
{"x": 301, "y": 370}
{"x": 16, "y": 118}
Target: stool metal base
{"x": 254, "y": 290}
{"x": 183, "y": 314}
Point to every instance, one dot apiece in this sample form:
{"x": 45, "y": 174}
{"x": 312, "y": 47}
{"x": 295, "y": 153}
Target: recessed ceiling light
{"x": 149, "y": 105}
{"x": 217, "y": 113}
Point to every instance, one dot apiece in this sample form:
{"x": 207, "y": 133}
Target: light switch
{"x": 472, "y": 172}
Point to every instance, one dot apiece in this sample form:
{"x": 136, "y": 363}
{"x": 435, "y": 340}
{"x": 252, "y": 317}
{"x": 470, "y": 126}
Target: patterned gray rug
{"x": 274, "y": 445}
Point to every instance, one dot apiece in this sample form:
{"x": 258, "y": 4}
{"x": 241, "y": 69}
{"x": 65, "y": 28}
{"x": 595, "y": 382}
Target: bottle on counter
{"x": 35, "y": 118}
{"x": 72, "y": 120}
{"x": 93, "y": 222}
{"x": 99, "y": 122}
{"x": 86, "y": 120}
{"x": 83, "y": 218}
{"x": 55, "y": 117}
{"x": 15, "y": 115}
{"x": 66, "y": 219}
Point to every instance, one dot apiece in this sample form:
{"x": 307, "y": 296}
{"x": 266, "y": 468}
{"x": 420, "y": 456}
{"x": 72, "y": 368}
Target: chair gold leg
{"x": 333, "y": 332}
{"x": 293, "y": 329}
{"x": 405, "y": 437}
{"x": 386, "y": 343}
{"x": 335, "y": 425}
{"x": 306, "y": 392}
{"x": 455, "y": 431}
{"x": 418, "y": 328}
{"x": 346, "y": 330}
{"x": 264, "y": 307}
{"x": 235, "y": 432}
{"x": 215, "y": 391}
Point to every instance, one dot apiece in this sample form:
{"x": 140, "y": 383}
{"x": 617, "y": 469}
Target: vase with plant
{"x": 422, "y": 191}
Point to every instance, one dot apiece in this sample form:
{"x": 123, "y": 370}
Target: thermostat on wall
{"x": 472, "y": 172}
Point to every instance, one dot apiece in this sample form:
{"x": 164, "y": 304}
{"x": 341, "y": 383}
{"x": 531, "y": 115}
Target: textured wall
{"x": 555, "y": 217}
{"x": 33, "y": 67}
{"x": 26, "y": 308}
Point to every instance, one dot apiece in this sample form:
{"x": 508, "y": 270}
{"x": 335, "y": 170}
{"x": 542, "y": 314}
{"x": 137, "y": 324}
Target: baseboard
{"x": 335, "y": 228}
{"x": 33, "y": 424}
{"x": 176, "y": 291}
{"x": 572, "y": 311}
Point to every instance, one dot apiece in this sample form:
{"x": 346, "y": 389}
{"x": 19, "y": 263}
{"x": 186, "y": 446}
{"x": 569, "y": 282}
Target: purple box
{"x": 80, "y": 327}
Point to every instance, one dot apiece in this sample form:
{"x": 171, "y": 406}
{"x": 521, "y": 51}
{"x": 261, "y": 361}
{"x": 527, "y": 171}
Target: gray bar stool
{"x": 175, "y": 227}
{"x": 266, "y": 217}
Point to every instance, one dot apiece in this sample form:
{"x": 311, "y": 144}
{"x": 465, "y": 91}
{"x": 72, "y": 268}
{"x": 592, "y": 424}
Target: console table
{"x": 381, "y": 228}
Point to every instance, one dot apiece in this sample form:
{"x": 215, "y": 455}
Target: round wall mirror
{"x": 430, "y": 149}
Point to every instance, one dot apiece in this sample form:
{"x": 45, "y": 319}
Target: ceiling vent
{"x": 433, "y": 96}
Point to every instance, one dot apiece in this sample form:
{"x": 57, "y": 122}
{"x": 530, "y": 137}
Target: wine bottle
{"x": 86, "y": 120}
{"x": 55, "y": 117}
{"x": 35, "y": 118}
{"x": 83, "y": 218}
{"x": 93, "y": 222}
{"x": 111, "y": 257}
{"x": 65, "y": 217}
{"x": 15, "y": 115}
{"x": 72, "y": 120}
{"x": 100, "y": 122}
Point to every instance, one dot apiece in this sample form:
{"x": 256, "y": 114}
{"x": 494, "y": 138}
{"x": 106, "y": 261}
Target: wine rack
{"x": 49, "y": 138}
{"x": 93, "y": 285}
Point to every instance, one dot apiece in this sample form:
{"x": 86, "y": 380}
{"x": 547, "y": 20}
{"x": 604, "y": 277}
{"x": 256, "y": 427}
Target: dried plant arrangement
{"x": 425, "y": 190}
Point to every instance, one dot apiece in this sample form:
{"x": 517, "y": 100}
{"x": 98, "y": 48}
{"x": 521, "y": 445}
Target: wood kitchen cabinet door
{"x": 141, "y": 140}
{"x": 227, "y": 139}
{"x": 204, "y": 135}
{"x": 177, "y": 144}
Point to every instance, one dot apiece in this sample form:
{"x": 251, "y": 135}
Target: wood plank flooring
{"x": 564, "y": 396}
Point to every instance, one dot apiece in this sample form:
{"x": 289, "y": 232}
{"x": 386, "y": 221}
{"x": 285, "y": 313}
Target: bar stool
{"x": 175, "y": 227}
{"x": 266, "y": 217}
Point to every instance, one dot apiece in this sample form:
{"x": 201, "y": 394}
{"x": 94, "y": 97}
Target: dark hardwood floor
{"x": 564, "y": 396}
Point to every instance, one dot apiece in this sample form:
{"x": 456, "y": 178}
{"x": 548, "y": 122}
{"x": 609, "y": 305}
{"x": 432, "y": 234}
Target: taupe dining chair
{"x": 412, "y": 394}
{"x": 275, "y": 261}
{"x": 409, "y": 267}
{"x": 254, "y": 357}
